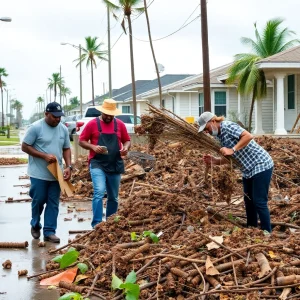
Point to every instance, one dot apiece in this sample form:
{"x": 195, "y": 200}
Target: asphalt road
{"x": 15, "y": 227}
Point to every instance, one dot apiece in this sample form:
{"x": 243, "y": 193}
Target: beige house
{"x": 275, "y": 114}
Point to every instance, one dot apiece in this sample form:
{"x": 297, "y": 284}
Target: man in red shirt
{"x": 107, "y": 139}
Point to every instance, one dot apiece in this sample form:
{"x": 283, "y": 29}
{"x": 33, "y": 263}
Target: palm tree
{"x": 55, "y": 82}
{"x": 128, "y": 7}
{"x": 65, "y": 91}
{"x": 17, "y": 105}
{"x": 2, "y": 74}
{"x": 251, "y": 80}
{"x": 74, "y": 101}
{"x": 153, "y": 54}
{"x": 92, "y": 51}
{"x": 40, "y": 101}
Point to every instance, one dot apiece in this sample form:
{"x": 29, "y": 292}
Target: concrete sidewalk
{"x": 15, "y": 151}
{"x": 12, "y": 151}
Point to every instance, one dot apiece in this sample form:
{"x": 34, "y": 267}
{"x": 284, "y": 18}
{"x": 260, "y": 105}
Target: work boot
{"x": 52, "y": 238}
{"x": 35, "y": 232}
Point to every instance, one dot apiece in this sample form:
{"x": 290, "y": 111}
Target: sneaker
{"x": 52, "y": 238}
{"x": 35, "y": 232}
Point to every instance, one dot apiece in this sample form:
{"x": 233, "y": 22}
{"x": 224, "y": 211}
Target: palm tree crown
{"x": 18, "y": 106}
{"x": 252, "y": 80}
{"x": 90, "y": 53}
{"x": 55, "y": 82}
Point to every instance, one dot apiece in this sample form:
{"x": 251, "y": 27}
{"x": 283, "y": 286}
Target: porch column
{"x": 258, "y": 117}
{"x": 280, "y": 104}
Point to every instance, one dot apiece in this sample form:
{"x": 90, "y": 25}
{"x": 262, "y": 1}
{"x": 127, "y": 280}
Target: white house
{"x": 276, "y": 113}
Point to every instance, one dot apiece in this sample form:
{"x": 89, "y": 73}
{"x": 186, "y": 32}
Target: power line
{"x": 147, "y": 41}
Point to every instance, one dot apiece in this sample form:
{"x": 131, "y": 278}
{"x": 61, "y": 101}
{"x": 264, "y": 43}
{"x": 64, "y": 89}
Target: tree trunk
{"x": 153, "y": 54}
{"x": 132, "y": 71}
{"x": 92, "y": 83}
{"x": 251, "y": 112}
{"x": 55, "y": 92}
{"x": 2, "y": 122}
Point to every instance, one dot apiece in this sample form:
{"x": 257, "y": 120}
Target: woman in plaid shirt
{"x": 256, "y": 164}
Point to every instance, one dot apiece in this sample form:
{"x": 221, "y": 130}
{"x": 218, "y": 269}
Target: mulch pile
{"x": 188, "y": 207}
{"x": 12, "y": 161}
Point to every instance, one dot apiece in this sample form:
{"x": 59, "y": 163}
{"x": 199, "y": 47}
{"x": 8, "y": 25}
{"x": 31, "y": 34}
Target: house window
{"x": 220, "y": 104}
{"x": 291, "y": 92}
{"x": 125, "y": 109}
{"x": 201, "y": 103}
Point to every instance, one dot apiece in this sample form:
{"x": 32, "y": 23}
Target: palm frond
{"x": 111, "y": 6}
{"x": 175, "y": 128}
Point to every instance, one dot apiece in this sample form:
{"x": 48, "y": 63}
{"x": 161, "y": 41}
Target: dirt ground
{"x": 204, "y": 248}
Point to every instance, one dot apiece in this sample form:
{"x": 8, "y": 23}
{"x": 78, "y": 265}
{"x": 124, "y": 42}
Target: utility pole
{"x": 109, "y": 54}
{"x": 80, "y": 75}
{"x": 205, "y": 57}
{"x": 60, "y": 84}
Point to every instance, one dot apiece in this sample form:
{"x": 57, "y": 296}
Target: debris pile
{"x": 12, "y": 161}
{"x": 182, "y": 229}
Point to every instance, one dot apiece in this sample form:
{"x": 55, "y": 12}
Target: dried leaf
{"x": 213, "y": 245}
{"x": 80, "y": 277}
{"x": 210, "y": 269}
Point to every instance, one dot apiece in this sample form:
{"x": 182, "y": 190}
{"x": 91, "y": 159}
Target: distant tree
{"x": 74, "y": 101}
{"x": 40, "y": 102}
{"x": 128, "y": 7}
{"x": 18, "y": 106}
{"x": 64, "y": 91}
{"x": 2, "y": 74}
{"x": 55, "y": 82}
{"x": 244, "y": 71}
{"x": 92, "y": 51}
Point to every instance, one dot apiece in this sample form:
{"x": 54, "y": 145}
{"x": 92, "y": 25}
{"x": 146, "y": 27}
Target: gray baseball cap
{"x": 204, "y": 119}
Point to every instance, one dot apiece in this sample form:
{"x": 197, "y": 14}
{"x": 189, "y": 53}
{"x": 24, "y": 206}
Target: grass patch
{"x": 8, "y": 143}
{"x": 11, "y": 139}
{"x": 23, "y": 160}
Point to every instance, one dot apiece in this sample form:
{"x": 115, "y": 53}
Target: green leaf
{"x": 71, "y": 249}
{"x": 131, "y": 277}
{"x": 117, "y": 219}
{"x": 71, "y": 296}
{"x": 154, "y": 237}
{"x": 116, "y": 282}
{"x": 130, "y": 296}
{"x": 131, "y": 290}
{"x": 68, "y": 258}
{"x": 133, "y": 236}
{"x": 235, "y": 228}
{"x": 146, "y": 233}
{"x": 82, "y": 267}
{"x": 57, "y": 258}
{"x": 230, "y": 217}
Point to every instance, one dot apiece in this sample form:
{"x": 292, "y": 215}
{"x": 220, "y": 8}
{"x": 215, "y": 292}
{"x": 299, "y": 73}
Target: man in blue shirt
{"x": 46, "y": 141}
{"x": 256, "y": 164}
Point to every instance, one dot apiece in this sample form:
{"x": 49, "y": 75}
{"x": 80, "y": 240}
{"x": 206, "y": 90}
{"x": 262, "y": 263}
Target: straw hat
{"x": 109, "y": 107}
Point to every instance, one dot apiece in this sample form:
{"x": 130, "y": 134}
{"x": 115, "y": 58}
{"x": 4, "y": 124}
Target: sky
{"x": 31, "y": 50}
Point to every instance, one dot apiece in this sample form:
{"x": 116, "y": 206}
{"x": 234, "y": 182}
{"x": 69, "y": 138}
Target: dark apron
{"x": 111, "y": 162}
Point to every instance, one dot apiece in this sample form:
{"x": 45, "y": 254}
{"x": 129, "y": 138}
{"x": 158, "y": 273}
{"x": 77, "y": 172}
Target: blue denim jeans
{"x": 256, "y": 191}
{"x": 104, "y": 182}
{"x": 44, "y": 192}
